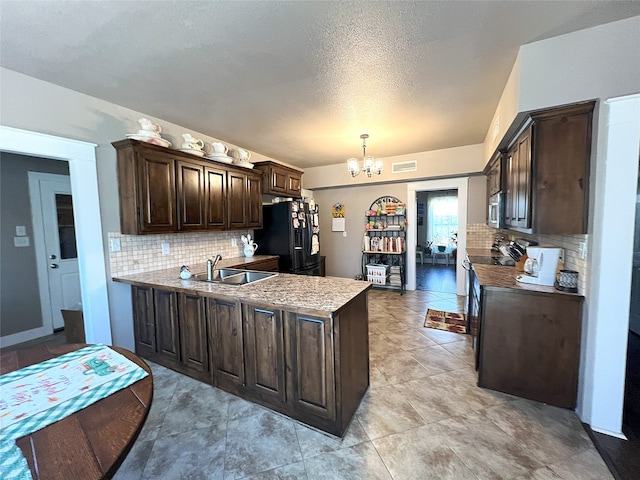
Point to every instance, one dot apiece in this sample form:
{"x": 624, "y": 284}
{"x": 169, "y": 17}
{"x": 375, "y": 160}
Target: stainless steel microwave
{"x": 495, "y": 216}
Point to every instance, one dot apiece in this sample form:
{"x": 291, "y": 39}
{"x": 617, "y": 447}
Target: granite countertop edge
{"x": 300, "y": 293}
{"x": 504, "y": 277}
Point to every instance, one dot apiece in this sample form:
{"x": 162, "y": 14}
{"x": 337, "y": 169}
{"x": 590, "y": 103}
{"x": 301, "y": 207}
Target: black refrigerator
{"x": 292, "y": 231}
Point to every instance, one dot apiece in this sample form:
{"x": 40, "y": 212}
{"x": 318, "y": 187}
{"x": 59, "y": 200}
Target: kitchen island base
{"x": 308, "y": 364}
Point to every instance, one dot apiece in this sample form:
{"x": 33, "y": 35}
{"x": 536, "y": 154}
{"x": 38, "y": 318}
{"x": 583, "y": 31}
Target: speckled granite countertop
{"x": 481, "y": 252}
{"x": 498, "y": 276}
{"x": 316, "y": 295}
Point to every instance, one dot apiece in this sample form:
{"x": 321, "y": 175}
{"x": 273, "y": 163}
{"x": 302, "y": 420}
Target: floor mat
{"x": 451, "y": 322}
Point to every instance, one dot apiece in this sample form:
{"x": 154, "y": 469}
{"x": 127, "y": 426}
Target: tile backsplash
{"x": 480, "y": 235}
{"x": 143, "y": 253}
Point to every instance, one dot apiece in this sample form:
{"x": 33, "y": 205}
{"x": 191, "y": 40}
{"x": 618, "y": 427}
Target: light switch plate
{"x": 582, "y": 250}
{"x": 21, "y": 230}
{"x": 166, "y": 248}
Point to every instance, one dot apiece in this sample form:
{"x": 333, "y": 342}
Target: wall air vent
{"x": 402, "y": 167}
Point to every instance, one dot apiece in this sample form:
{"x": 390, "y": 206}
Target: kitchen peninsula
{"x": 293, "y": 343}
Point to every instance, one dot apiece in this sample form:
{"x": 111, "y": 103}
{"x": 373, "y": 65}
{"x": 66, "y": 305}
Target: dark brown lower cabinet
{"x": 530, "y": 344}
{"x": 166, "y": 320}
{"x": 226, "y": 341}
{"x": 144, "y": 330}
{"x": 311, "y": 377}
{"x": 264, "y": 352}
{"x": 194, "y": 347}
{"x": 311, "y": 367}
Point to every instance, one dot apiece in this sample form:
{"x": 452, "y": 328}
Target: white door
{"x": 55, "y": 245}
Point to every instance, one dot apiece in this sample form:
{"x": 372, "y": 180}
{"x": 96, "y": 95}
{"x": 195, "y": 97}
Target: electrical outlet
{"x": 234, "y": 242}
{"x": 20, "y": 241}
{"x": 344, "y": 234}
{"x": 582, "y": 250}
{"x": 166, "y": 248}
{"x": 115, "y": 244}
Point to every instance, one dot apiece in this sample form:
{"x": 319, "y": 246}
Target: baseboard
{"x": 13, "y": 339}
{"x": 619, "y": 435}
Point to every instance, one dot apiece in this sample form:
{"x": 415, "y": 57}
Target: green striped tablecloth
{"x": 37, "y": 396}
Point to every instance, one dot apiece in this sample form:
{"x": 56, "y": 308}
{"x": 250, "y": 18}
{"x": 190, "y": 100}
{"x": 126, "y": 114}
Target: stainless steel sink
{"x": 233, "y": 276}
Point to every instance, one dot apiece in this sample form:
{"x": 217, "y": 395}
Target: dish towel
{"x": 38, "y": 395}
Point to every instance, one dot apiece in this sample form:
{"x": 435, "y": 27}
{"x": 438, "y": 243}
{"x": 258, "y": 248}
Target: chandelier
{"x": 369, "y": 165}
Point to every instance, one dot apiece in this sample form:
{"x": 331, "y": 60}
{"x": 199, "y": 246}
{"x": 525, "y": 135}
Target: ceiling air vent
{"x": 402, "y": 167}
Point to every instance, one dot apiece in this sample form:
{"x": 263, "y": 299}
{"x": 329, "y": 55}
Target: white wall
{"x": 505, "y": 114}
{"x": 33, "y": 105}
{"x": 606, "y": 332}
{"x": 600, "y": 62}
{"x": 459, "y": 161}
{"x": 343, "y": 253}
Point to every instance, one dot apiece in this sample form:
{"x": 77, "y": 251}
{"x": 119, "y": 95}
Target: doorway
{"x": 436, "y": 245}
{"x": 461, "y": 186}
{"x": 84, "y": 181}
{"x": 55, "y": 245}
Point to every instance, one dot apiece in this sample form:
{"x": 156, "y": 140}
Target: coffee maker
{"x": 541, "y": 266}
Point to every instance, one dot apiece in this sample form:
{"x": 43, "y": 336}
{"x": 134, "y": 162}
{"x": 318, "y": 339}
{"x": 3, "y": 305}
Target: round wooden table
{"x": 93, "y": 442}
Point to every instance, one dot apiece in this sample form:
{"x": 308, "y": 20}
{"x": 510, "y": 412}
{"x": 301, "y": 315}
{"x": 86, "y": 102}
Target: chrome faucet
{"x": 211, "y": 266}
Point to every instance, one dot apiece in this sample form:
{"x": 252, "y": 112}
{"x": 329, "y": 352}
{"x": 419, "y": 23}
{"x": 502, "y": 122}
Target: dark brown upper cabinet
{"x": 163, "y": 190}
{"x": 546, "y": 178}
{"x": 191, "y": 196}
{"x": 278, "y": 179}
{"x": 493, "y": 171}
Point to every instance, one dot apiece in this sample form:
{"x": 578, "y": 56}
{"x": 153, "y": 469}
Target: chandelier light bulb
{"x": 369, "y": 164}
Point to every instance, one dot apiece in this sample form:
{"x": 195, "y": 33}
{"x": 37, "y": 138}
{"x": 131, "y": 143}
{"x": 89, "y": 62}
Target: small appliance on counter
{"x": 540, "y": 266}
{"x": 568, "y": 281}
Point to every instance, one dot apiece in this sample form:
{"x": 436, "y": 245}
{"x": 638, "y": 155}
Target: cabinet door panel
{"x": 294, "y": 185}
{"x": 562, "y": 187}
{"x": 216, "y": 196}
{"x": 278, "y": 180}
{"x": 254, "y": 202}
{"x": 509, "y": 211}
{"x": 237, "y": 194}
{"x": 157, "y": 191}
{"x": 264, "y": 352}
{"x": 226, "y": 342}
{"x": 523, "y": 199}
{"x": 144, "y": 321}
{"x": 166, "y": 313}
{"x": 193, "y": 333}
{"x": 191, "y": 197}
{"x": 311, "y": 363}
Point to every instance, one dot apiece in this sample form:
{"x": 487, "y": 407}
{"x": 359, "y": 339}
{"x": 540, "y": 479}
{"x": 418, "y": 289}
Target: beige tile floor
{"x": 422, "y": 418}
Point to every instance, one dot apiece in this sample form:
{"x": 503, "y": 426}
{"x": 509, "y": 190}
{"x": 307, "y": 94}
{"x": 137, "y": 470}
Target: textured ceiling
{"x": 295, "y": 81}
